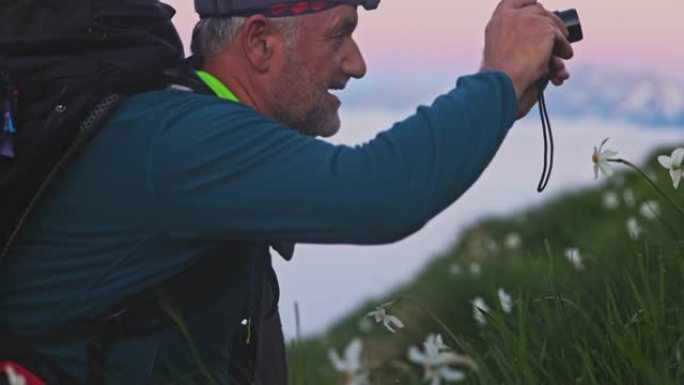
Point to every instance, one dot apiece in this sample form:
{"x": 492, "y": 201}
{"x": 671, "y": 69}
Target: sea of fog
{"x": 328, "y": 281}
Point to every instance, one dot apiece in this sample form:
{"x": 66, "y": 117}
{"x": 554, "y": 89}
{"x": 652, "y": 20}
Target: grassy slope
{"x": 620, "y": 320}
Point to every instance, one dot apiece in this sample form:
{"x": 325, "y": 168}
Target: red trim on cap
{"x": 318, "y": 5}
{"x": 277, "y": 9}
{"x": 298, "y": 8}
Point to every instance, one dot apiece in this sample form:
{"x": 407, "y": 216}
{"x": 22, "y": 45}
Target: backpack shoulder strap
{"x": 88, "y": 128}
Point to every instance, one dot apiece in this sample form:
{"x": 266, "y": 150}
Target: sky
{"x": 448, "y": 35}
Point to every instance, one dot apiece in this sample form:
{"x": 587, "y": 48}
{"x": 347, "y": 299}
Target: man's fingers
{"x": 560, "y": 77}
{"x": 539, "y": 9}
{"x": 562, "y": 46}
{"x": 558, "y": 73}
{"x": 557, "y": 63}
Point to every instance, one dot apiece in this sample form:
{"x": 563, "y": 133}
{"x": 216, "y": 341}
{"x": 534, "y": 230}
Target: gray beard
{"x": 300, "y": 105}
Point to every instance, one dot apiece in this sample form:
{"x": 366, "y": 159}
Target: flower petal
{"x": 605, "y": 169}
{"x": 596, "y": 170}
{"x": 415, "y": 355}
{"x": 353, "y": 354}
{"x": 607, "y": 154}
{"x": 439, "y": 341}
{"x": 336, "y": 361}
{"x": 677, "y": 157}
{"x": 388, "y": 326}
{"x": 396, "y": 321}
{"x": 665, "y": 161}
{"x": 676, "y": 177}
{"x": 451, "y": 374}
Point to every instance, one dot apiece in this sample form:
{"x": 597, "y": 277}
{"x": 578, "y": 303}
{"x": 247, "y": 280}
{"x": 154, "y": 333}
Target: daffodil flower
{"x": 601, "y": 158}
{"x": 436, "y": 361}
{"x": 512, "y": 241}
{"x": 633, "y": 228}
{"x": 505, "y": 300}
{"x": 610, "y": 200}
{"x": 628, "y": 197}
{"x": 650, "y": 210}
{"x": 475, "y": 268}
{"x": 479, "y": 308}
{"x": 354, "y": 373}
{"x": 674, "y": 164}
{"x": 380, "y": 315}
{"x": 573, "y": 255}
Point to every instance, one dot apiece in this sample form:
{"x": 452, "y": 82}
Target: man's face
{"x": 323, "y": 57}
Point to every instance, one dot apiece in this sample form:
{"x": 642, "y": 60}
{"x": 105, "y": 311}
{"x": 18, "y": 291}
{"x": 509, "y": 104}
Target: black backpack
{"x": 62, "y": 61}
{"x": 65, "y": 66}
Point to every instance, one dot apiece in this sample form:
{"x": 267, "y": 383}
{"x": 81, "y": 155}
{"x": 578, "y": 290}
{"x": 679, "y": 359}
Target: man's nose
{"x": 353, "y": 64}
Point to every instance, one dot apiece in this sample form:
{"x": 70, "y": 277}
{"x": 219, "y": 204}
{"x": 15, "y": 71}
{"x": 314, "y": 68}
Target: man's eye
{"x": 337, "y": 41}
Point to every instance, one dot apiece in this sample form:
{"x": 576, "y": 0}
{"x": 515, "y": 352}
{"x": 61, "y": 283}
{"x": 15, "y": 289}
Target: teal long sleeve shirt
{"x": 174, "y": 175}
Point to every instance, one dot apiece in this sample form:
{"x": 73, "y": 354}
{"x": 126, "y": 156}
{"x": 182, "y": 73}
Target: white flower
{"x": 512, "y": 241}
{"x": 505, "y": 300}
{"x": 479, "y": 310}
{"x": 573, "y": 255}
{"x": 628, "y": 196}
{"x": 600, "y": 159}
{"x": 610, "y": 200}
{"x": 455, "y": 269}
{"x": 14, "y": 377}
{"x": 354, "y": 372}
{"x": 475, "y": 268}
{"x": 650, "y": 209}
{"x": 674, "y": 164}
{"x": 380, "y": 315}
{"x": 633, "y": 228}
{"x": 436, "y": 340}
{"x": 436, "y": 361}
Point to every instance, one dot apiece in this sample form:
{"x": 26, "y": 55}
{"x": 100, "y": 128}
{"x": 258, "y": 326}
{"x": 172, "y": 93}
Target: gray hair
{"x": 213, "y": 35}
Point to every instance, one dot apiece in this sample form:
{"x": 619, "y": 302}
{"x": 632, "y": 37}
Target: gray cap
{"x": 271, "y": 8}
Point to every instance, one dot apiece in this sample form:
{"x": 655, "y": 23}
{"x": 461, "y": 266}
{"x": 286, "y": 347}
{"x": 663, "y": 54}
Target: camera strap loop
{"x": 548, "y": 144}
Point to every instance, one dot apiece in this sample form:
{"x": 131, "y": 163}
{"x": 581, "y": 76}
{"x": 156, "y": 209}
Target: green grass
{"x": 620, "y": 320}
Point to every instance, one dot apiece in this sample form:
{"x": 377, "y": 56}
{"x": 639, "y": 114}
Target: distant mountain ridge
{"x": 642, "y": 99}
{"x": 649, "y": 100}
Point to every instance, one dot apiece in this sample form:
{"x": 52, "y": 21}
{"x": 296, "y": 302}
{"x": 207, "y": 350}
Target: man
{"x": 178, "y": 177}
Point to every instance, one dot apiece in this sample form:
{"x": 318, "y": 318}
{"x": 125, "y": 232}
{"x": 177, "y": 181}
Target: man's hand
{"x": 528, "y": 43}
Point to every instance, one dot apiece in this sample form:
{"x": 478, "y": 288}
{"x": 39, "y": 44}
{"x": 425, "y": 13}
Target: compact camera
{"x": 572, "y": 22}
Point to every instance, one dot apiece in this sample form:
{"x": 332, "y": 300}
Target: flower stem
{"x": 650, "y": 181}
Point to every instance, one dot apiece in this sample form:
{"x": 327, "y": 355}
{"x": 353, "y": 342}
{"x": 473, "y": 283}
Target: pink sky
{"x": 447, "y": 35}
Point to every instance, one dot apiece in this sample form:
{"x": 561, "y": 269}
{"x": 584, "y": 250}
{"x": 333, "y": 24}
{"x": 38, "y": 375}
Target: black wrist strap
{"x": 548, "y": 144}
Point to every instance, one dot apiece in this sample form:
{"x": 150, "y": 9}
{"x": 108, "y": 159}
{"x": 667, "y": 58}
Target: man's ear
{"x": 260, "y": 42}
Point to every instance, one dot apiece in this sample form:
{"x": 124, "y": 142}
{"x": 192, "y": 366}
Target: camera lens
{"x": 572, "y": 22}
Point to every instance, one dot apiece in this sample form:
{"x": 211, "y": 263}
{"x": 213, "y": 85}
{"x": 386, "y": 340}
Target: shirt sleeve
{"x": 227, "y": 171}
